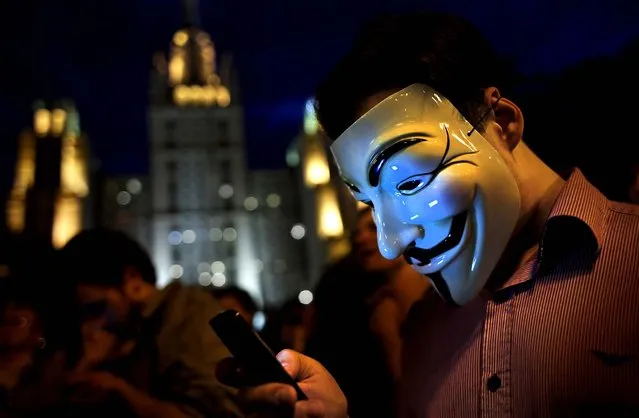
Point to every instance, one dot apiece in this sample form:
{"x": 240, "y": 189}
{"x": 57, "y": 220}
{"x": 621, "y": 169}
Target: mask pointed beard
{"x": 423, "y": 256}
{"x": 442, "y": 288}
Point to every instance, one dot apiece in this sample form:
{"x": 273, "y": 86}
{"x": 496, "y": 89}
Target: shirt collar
{"x": 575, "y": 226}
{"x": 576, "y": 223}
{"x": 581, "y": 200}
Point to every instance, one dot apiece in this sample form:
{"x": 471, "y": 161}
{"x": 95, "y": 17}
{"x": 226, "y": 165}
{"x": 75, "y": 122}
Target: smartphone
{"x": 251, "y": 351}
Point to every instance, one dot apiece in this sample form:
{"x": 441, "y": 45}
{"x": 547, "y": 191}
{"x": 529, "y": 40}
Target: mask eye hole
{"x": 412, "y": 185}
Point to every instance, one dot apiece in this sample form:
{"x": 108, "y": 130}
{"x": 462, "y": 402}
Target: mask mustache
{"x": 425, "y": 255}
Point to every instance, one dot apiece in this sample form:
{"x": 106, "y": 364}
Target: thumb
{"x": 298, "y": 366}
{"x": 291, "y": 362}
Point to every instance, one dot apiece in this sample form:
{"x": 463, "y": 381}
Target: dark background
{"x": 99, "y": 53}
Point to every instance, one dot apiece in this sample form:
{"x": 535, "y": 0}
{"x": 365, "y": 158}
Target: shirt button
{"x": 493, "y": 383}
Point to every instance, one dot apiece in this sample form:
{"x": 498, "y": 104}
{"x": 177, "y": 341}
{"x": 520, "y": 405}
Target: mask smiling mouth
{"x": 423, "y": 256}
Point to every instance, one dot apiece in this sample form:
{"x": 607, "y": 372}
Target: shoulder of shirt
{"x": 580, "y": 200}
{"x": 628, "y": 209}
{"x": 190, "y": 299}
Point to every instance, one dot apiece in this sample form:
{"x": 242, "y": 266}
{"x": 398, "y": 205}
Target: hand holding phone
{"x": 251, "y": 351}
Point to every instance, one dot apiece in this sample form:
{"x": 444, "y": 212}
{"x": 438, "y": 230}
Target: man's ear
{"x": 507, "y": 117}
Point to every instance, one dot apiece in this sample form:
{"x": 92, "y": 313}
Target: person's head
{"x": 240, "y": 300}
{"x": 113, "y": 275}
{"x": 424, "y": 135}
{"x": 21, "y": 322}
{"x": 365, "y": 246}
{"x": 30, "y": 291}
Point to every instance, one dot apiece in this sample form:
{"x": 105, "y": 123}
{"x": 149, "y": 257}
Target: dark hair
{"x": 241, "y": 295}
{"x": 101, "y": 256}
{"x": 393, "y": 52}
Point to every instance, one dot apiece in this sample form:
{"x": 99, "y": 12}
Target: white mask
{"x": 443, "y": 198}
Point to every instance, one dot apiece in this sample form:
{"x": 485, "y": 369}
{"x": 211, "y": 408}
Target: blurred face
{"x": 20, "y": 332}
{"x": 442, "y": 194}
{"x": 366, "y": 249}
{"x": 106, "y": 308}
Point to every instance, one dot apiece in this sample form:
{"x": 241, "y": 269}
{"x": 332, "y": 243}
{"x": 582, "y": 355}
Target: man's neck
{"x": 542, "y": 188}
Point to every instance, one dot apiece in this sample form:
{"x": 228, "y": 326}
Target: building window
{"x": 176, "y": 256}
{"x": 171, "y": 171}
{"x": 225, "y": 179}
{"x": 225, "y": 168}
{"x": 227, "y": 204}
{"x": 171, "y": 127}
{"x": 175, "y": 238}
{"x": 223, "y": 129}
{"x": 230, "y": 250}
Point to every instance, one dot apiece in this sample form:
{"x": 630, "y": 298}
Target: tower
{"x": 198, "y": 166}
{"x": 51, "y": 181}
{"x": 329, "y": 212}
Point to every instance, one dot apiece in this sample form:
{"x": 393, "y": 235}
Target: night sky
{"x": 99, "y": 52}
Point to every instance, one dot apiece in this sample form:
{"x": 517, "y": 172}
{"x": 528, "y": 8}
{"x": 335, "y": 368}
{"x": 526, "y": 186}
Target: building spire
{"x": 191, "y": 12}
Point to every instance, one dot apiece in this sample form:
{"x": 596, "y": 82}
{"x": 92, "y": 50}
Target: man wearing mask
{"x": 151, "y": 348}
{"x": 537, "y": 276}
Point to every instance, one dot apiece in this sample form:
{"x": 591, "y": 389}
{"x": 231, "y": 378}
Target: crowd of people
{"x": 85, "y": 331}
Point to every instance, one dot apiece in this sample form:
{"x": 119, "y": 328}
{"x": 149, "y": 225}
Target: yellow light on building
{"x": 177, "y": 69}
{"x": 180, "y": 38}
{"x": 223, "y": 96}
{"x": 208, "y": 53}
{"x": 42, "y": 122}
{"x": 203, "y": 38}
{"x": 213, "y": 79}
{"x": 58, "y": 120}
{"x": 67, "y": 220}
{"x": 74, "y": 183}
{"x": 16, "y": 214}
{"x": 197, "y": 94}
{"x": 316, "y": 170}
{"x": 181, "y": 95}
{"x": 209, "y": 95}
{"x": 207, "y": 68}
{"x": 73, "y": 171}
{"x": 329, "y": 223}
{"x": 25, "y": 166}
{"x": 24, "y": 178}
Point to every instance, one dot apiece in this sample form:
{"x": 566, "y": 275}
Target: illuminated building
{"x": 51, "y": 184}
{"x": 279, "y": 234}
{"x": 198, "y": 176}
{"x": 125, "y": 206}
{"x": 328, "y": 208}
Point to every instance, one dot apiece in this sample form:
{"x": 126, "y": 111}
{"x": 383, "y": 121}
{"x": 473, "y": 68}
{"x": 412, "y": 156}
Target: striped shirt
{"x": 560, "y": 338}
